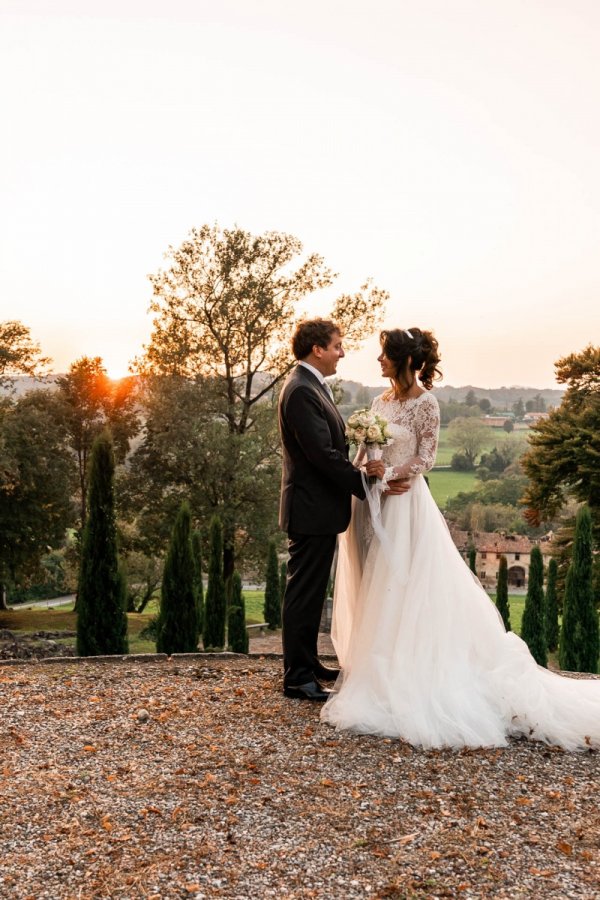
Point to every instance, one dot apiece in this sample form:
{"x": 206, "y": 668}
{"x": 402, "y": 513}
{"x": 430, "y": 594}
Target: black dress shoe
{"x": 325, "y": 674}
{"x": 310, "y": 691}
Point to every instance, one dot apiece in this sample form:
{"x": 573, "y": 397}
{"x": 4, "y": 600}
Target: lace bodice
{"x": 414, "y": 426}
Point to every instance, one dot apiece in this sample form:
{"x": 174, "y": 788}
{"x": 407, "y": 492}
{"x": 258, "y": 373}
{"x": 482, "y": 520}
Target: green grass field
{"x": 516, "y": 603}
{"x": 445, "y": 452}
{"x": 62, "y": 618}
{"x": 444, "y": 484}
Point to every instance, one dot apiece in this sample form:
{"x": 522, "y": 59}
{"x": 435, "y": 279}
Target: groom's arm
{"x": 311, "y": 430}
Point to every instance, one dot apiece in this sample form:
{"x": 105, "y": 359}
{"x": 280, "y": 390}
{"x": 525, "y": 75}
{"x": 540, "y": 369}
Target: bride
{"x": 424, "y": 654}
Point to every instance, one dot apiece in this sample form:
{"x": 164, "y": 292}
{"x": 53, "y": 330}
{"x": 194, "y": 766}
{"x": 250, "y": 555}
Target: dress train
{"x": 424, "y": 652}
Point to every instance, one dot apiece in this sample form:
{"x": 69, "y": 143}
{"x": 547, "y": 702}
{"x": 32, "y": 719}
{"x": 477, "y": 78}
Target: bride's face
{"x": 388, "y": 369}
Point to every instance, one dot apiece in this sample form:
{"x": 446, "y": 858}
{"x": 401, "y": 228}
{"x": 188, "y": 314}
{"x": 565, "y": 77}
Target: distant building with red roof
{"x": 490, "y": 546}
{"x": 532, "y": 417}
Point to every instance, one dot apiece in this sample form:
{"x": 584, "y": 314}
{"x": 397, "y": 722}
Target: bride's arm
{"x": 427, "y": 428}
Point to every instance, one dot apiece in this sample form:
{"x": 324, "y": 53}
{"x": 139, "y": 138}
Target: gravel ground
{"x": 195, "y": 777}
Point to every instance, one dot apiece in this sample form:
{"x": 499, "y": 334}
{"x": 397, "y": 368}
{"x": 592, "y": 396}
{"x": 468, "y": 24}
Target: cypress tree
{"x": 533, "y": 628}
{"x": 502, "y": 593}
{"x": 177, "y": 630}
{"x": 583, "y": 578}
{"x": 197, "y": 554}
{"x": 568, "y": 650}
{"x": 473, "y": 559}
{"x": 272, "y": 607}
{"x": 580, "y": 640}
{"x": 215, "y": 606}
{"x": 237, "y": 633}
{"x": 101, "y": 617}
{"x": 552, "y": 606}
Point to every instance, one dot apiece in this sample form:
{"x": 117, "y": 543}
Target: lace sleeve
{"x": 427, "y": 429}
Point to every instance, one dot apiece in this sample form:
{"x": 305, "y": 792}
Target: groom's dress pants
{"x": 309, "y": 567}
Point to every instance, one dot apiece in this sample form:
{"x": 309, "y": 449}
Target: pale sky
{"x": 448, "y": 148}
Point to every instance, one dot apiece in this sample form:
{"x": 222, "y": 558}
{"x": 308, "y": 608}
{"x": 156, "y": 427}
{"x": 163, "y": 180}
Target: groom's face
{"x": 329, "y": 356}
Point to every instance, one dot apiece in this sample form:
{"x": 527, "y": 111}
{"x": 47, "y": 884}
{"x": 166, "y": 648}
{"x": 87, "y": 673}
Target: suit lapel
{"x": 307, "y": 375}
{"x": 331, "y": 402}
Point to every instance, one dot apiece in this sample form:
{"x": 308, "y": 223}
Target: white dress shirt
{"x": 318, "y": 375}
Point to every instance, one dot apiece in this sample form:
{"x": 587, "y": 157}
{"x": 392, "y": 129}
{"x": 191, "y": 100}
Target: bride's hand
{"x": 375, "y": 467}
{"x": 397, "y": 486}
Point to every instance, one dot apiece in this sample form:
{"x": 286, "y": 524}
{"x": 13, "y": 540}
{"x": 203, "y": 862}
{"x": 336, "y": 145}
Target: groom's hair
{"x": 311, "y": 332}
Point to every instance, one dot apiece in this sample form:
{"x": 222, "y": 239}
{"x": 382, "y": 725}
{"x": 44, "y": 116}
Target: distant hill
{"x": 20, "y": 384}
{"x": 500, "y": 398}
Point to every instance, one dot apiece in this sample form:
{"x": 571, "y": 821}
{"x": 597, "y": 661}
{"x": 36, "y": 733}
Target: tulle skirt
{"x": 423, "y": 650}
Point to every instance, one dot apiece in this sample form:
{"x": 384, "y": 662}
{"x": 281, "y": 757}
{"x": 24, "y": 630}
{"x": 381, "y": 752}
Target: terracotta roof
{"x": 492, "y": 542}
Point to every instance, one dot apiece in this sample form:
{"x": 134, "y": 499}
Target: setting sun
{"x": 116, "y": 371}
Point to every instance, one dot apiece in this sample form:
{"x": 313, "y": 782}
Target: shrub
{"x": 461, "y": 463}
{"x": 150, "y": 631}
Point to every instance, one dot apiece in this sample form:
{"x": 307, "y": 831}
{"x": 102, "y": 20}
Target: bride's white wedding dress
{"x": 423, "y": 650}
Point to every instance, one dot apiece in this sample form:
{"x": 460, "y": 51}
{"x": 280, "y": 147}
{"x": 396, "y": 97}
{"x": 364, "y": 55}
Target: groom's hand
{"x": 398, "y": 486}
{"x": 375, "y": 467}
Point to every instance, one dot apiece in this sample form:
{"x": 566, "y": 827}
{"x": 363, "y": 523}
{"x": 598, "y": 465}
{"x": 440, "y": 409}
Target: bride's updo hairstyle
{"x": 422, "y": 349}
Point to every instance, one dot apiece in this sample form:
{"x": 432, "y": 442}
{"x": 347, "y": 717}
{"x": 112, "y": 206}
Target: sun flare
{"x": 117, "y": 371}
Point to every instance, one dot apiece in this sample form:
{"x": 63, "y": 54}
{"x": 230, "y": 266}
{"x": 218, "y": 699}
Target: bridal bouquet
{"x": 367, "y": 428}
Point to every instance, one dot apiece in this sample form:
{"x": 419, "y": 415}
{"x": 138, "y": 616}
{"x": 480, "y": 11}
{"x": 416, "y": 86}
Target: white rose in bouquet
{"x": 368, "y": 428}
{"x": 375, "y": 434}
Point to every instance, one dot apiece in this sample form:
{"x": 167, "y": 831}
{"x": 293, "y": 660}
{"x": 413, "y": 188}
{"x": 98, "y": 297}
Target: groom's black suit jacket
{"x": 318, "y": 479}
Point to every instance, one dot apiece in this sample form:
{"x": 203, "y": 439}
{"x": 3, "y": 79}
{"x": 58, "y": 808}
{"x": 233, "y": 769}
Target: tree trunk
{"x": 3, "y": 597}
{"x": 147, "y": 597}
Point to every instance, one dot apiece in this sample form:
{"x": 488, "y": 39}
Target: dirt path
{"x": 196, "y": 778}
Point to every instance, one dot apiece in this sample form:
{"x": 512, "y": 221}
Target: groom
{"x": 317, "y": 484}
